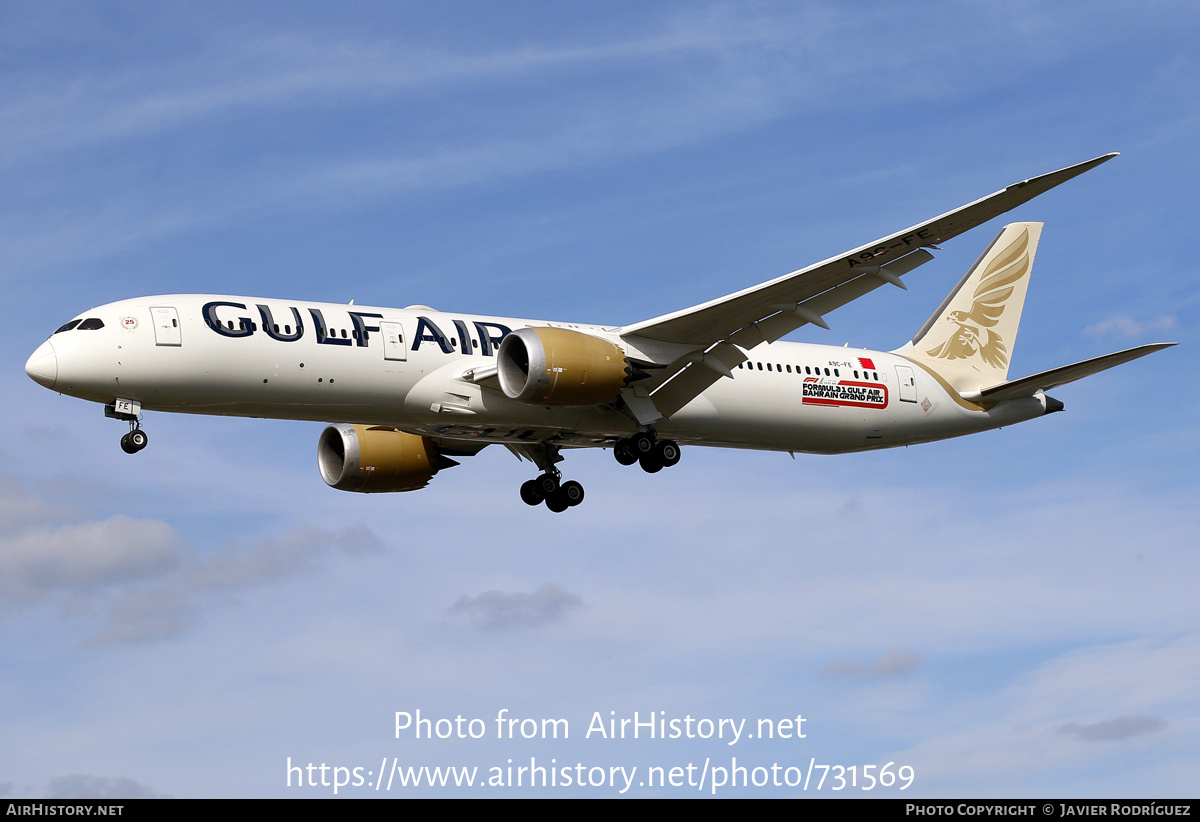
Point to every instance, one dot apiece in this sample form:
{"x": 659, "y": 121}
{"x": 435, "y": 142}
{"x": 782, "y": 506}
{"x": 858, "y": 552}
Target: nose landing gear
{"x": 135, "y": 440}
{"x": 130, "y": 412}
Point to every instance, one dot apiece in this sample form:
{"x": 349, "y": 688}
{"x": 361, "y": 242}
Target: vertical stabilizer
{"x": 970, "y": 338}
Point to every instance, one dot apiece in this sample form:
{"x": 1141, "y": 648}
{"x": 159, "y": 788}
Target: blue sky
{"x": 1011, "y": 614}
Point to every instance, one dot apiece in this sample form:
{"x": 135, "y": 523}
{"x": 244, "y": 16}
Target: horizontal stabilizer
{"x": 1028, "y": 386}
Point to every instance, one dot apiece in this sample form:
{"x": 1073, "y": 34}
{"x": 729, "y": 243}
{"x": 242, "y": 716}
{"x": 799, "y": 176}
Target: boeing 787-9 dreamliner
{"x": 412, "y": 390}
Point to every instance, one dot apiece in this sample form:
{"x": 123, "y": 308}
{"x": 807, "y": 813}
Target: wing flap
{"x": 812, "y": 311}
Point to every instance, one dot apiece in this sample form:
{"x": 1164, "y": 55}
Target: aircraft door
{"x": 166, "y": 325}
{"x": 908, "y": 383}
{"x": 394, "y": 347}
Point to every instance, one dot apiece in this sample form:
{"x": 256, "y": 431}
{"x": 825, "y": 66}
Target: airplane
{"x": 416, "y": 388}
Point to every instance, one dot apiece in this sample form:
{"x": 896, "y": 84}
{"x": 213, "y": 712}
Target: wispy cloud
{"x": 148, "y": 615}
{"x": 894, "y": 664}
{"x": 285, "y": 71}
{"x": 414, "y": 118}
{"x": 1016, "y": 734}
{"x": 1109, "y": 730}
{"x": 1122, "y": 326}
{"x": 497, "y": 610}
{"x": 149, "y": 581}
{"x": 85, "y": 786}
{"x": 241, "y": 566}
{"x": 85, "y": 556}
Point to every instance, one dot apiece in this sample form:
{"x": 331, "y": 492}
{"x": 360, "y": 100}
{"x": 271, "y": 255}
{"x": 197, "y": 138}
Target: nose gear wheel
{"x": 135, "y": 440}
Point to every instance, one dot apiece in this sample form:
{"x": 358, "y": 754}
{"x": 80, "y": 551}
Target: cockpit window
{"x": 91, "y": 324}
{"x": 68, "y": 326}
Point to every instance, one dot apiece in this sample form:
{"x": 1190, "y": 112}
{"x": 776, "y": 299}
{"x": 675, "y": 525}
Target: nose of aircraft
{"x": 42, "y": 365}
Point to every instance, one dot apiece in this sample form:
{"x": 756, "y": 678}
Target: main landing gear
{"x": 558, "y": 496}
{"x": 549, "y": 487}
{"x": 651, "y": 453}
{"x": 643, "y": 447}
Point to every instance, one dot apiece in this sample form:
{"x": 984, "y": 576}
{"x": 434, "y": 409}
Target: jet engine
{"x": 557, "y": 366}
{"x": 375, "y": 458}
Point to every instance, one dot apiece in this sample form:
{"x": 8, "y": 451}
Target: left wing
{"x": 1045, "y": 380}
{"x": 717, "y": 332}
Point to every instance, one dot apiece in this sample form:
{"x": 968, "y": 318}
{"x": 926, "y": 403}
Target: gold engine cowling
{"x": 556, "y": 366}
{"x": 375, "y": 458}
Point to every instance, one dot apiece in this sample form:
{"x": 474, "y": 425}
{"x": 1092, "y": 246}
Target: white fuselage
{"x": 414, "y": 369}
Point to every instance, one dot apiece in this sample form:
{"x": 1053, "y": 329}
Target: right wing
{"x": 717, "y": 332}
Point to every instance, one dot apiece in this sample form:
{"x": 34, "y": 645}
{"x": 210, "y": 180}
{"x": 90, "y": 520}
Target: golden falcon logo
{"x": 974, "y": 335}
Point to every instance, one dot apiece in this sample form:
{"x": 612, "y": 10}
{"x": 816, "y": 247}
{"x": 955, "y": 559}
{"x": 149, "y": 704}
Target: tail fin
{"x": 969, "y": 339}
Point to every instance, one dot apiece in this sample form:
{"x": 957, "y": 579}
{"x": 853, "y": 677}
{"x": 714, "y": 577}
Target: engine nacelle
{"x": 376, "y": 458}
{"x": 557, "y": 366}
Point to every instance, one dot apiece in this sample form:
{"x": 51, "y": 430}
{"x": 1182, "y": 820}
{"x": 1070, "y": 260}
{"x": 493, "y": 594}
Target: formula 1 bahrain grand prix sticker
{"x": 844, "y": 392}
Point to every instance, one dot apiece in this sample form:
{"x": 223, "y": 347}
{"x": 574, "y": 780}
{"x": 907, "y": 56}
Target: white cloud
{"x": 149, "y": 582}
{"x": 85, "y": 556}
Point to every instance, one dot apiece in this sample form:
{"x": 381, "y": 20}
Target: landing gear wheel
{"x": 624, "y": 452}
{"x": 531, "y": 493}
{"x": 557, "y": 502}
{"x": 651, "y": 464}
{"x": 547, "y": 484}
{"x": 667, "y": 452}
{"x": 642, "y": 443}
{"x": 572, "y": 491}
{"x": 134, "y": 441}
